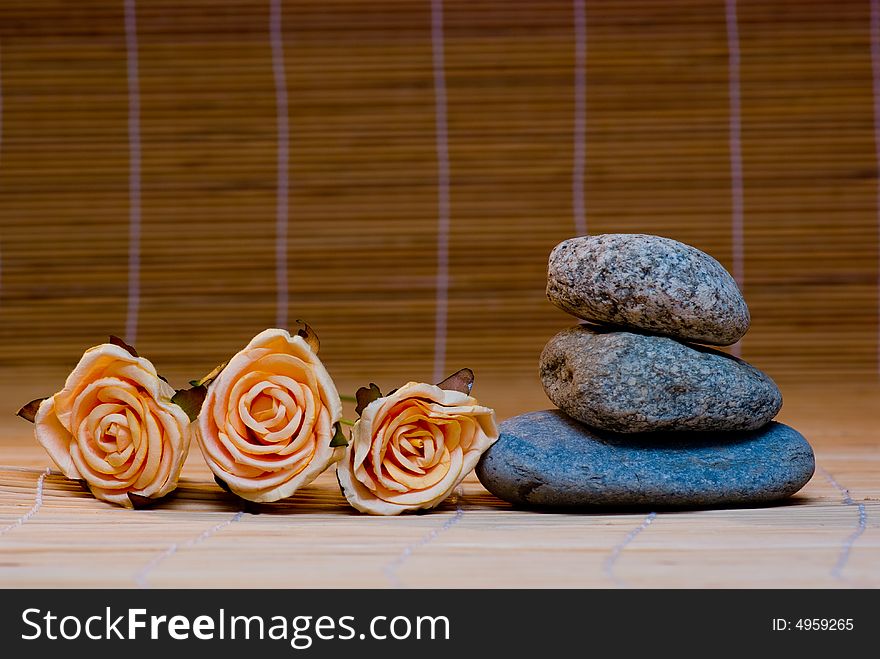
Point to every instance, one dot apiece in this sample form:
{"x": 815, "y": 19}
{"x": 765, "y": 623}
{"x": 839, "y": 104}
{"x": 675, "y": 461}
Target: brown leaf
{"x": 206, "y": 380}
{"x": 29, "y": 412}
{"x": 190, "y": 400}
{"x": 365, "y": 396}
{"x": 306, "y": 332}
{"x": 462, "y": 381}
{"x": 115, "y": 340}
{"x": 251, "y": 507}
{"x": 339, "y": 438}
{"x": 140, "y": 502}
{"x": 248, "y": 506}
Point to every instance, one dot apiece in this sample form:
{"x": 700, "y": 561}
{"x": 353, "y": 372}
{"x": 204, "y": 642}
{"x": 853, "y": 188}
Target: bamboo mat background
{"x": 654, "y": 140}
{"x": 188, "y": 173}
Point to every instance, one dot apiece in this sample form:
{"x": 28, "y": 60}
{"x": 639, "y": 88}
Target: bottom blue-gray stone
{"x": 547, "y": 459}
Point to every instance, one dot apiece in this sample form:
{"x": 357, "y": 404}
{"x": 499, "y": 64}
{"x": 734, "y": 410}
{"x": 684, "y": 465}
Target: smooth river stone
{"x": 547, "y": 459}
{"x": 648, "y": 283}
{"x": 627, "y": 382}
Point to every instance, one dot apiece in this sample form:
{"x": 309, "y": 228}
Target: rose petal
{"x": 55, "y": 438}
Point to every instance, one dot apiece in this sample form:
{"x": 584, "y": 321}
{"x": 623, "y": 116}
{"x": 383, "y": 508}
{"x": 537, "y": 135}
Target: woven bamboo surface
{"x": 746, "y": 128}
{"x": 363, "y": 232}
{"x": 823, "y": 537}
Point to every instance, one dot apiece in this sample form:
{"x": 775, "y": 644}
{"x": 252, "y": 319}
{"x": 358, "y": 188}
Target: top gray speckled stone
{"x": 649, "y": 283}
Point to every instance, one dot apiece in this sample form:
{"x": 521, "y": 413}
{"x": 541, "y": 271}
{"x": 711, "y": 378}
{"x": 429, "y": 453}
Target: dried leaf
{"x": 251, "y": 507}
{"x": 365, "y": 396}
{"x": 139, "y": 502}
{"x": 29, "y": 412}
{"x": 248, "y": 506}
{"x": 306, "y": 332}
{"x": 339, "y": 438}
{"x": 206, "y": 380}
{"x": 115, "y": 340}
{"x": 462, "y": 381}
{"x": 190, "y": 400}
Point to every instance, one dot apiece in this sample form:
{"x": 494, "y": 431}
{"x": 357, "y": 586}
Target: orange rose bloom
{"x": 114, "y": 427}
{"x": 411, "y": 449}
{"x": 267, "y": 421}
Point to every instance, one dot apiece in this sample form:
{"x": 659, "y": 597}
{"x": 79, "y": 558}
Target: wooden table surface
{"x": 53, "y": 533}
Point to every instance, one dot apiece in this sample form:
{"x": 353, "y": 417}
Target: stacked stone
{"x": 648, "y": 414}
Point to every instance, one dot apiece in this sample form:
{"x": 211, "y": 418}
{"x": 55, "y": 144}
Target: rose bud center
{"x": 114, "y": 432}
{"x": 273, "y": 412}
{"x": 418, "y": 455}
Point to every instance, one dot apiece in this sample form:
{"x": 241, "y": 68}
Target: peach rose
{"x": 114, "y": 426}
{"x": 269, "y": 418}
{"x": 412, "y": 448}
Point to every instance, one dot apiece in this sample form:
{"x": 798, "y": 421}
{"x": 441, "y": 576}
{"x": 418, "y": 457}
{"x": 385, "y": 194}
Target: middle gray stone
{"x": 627, "y": 382}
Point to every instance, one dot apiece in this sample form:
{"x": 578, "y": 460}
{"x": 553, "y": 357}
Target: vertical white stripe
{"x": 861, "y": 523}
{"x": 141, "y": 577}
{"x": 735, "y": 141}
{"x": 38, "y": 503}
{"x": 134, "y": 174}
{"x": 1, "y": 94}
{"x": 580, "y": 118}
{"x": 1, "y": 148}
{"x": 391, "y": 570}
{"x": 283, "y": 138}
{"x": 617, "y": 550}
{"x": 875, "y": 70}
{"x": 443, "y": 220}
